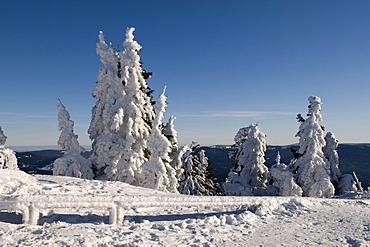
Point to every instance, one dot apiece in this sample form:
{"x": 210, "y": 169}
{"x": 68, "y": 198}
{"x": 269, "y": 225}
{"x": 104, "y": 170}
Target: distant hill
{"x": 352, "y": 157}
{"x": 37, "y": 161}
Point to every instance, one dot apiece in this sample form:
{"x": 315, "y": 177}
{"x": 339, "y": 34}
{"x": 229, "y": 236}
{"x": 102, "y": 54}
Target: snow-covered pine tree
{"x": 119, "y": 126}
{"x": 157, "y": 173}
{"x": 281, "y": 180}
{"x": 72, "y": 163}
{"x": 249, "y": 174}
{"x": 176, "y": 152}
{"x": 331, "y": 154}
{"x": 2, "y": 138}
{"x": 312, "y": 169}
{"x": 197, "y": 178}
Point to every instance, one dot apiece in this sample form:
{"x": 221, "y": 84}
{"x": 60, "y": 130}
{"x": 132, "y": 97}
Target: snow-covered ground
{"x": 262, "y": 221}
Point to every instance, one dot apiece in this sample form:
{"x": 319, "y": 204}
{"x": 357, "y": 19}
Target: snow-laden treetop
{"x": 311, "y": 132}
{"x": 315, "y": 107}
{"x": 131, "y": 47}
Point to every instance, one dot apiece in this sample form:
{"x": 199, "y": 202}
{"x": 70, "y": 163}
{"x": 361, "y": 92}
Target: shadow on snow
{"x": 15, "y": 218}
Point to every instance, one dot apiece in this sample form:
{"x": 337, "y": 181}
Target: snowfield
{"x": 193, "y": 221}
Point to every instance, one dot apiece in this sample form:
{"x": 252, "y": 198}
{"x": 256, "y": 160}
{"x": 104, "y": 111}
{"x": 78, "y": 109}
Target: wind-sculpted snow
{"x": 183, "y": 221}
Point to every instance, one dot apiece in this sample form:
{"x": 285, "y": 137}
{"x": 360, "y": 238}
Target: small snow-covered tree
{"x": 8, "y": 160}
{"x": 176, "y": 152}
{"x": 2, "y": 138}
{"x": 157, "y": 173}
{"x": 72, "y": 163}
{"x": 312, "y": 169}
{"x": 282, "y": 180}
{"x": 331, "y": 154}
{"x": 249, "y": 171}
{"x": 197, "y": 178}
{"x": 347, "y": 184}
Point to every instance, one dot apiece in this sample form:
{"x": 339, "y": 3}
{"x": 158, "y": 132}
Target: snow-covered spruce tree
{"x": 157, "y": 173}
{"x": 281, "y": 180}
{"x": 197, "y": 178}
{"x": 72, "y": 163}
{"x": 8, "y": 160}
{"x": 124, "y": 108}
{"x": 249, "y": 174}
{"x": 312, "y": 169}
{"x": 176, "y": 152}
{"x": 331, "y": 154}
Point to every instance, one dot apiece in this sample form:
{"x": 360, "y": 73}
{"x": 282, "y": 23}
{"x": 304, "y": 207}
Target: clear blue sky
{"x": 226, "y": 64}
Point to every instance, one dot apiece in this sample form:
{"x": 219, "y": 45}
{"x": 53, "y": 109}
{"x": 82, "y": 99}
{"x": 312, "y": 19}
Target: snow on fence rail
{"x": 30, "y": 206}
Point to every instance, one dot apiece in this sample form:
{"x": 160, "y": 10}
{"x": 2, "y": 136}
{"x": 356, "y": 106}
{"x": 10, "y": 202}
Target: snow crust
{"x": 215, "y": 221}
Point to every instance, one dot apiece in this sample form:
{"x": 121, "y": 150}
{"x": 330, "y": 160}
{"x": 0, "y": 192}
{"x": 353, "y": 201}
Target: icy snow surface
{"x": 263, "y": 221}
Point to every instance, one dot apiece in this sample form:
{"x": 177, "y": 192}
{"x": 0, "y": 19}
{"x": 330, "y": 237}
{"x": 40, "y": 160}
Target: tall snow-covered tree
{"x": 312, "y": 169}
{"x": 119, "y": 126}
{"x": 72, "y": 163}
{"x": 331, "y": 154}
{"x": 157, "y": 173}
{"x": 2, "y": 137}
{"x": 197, "y": 178}
{"x": 108, "y": 92}
{"x": 249, "y": 174}
{"x": 281, "y": 180}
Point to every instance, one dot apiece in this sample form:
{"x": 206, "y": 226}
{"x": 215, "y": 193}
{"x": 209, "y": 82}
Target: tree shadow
{"x": 13, "y": 218}
{"x": 74, "y": 218}
{"x": 173, "y": 217}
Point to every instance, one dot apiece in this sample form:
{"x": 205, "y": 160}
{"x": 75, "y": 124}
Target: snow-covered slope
{"x": 263, "y": 221}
